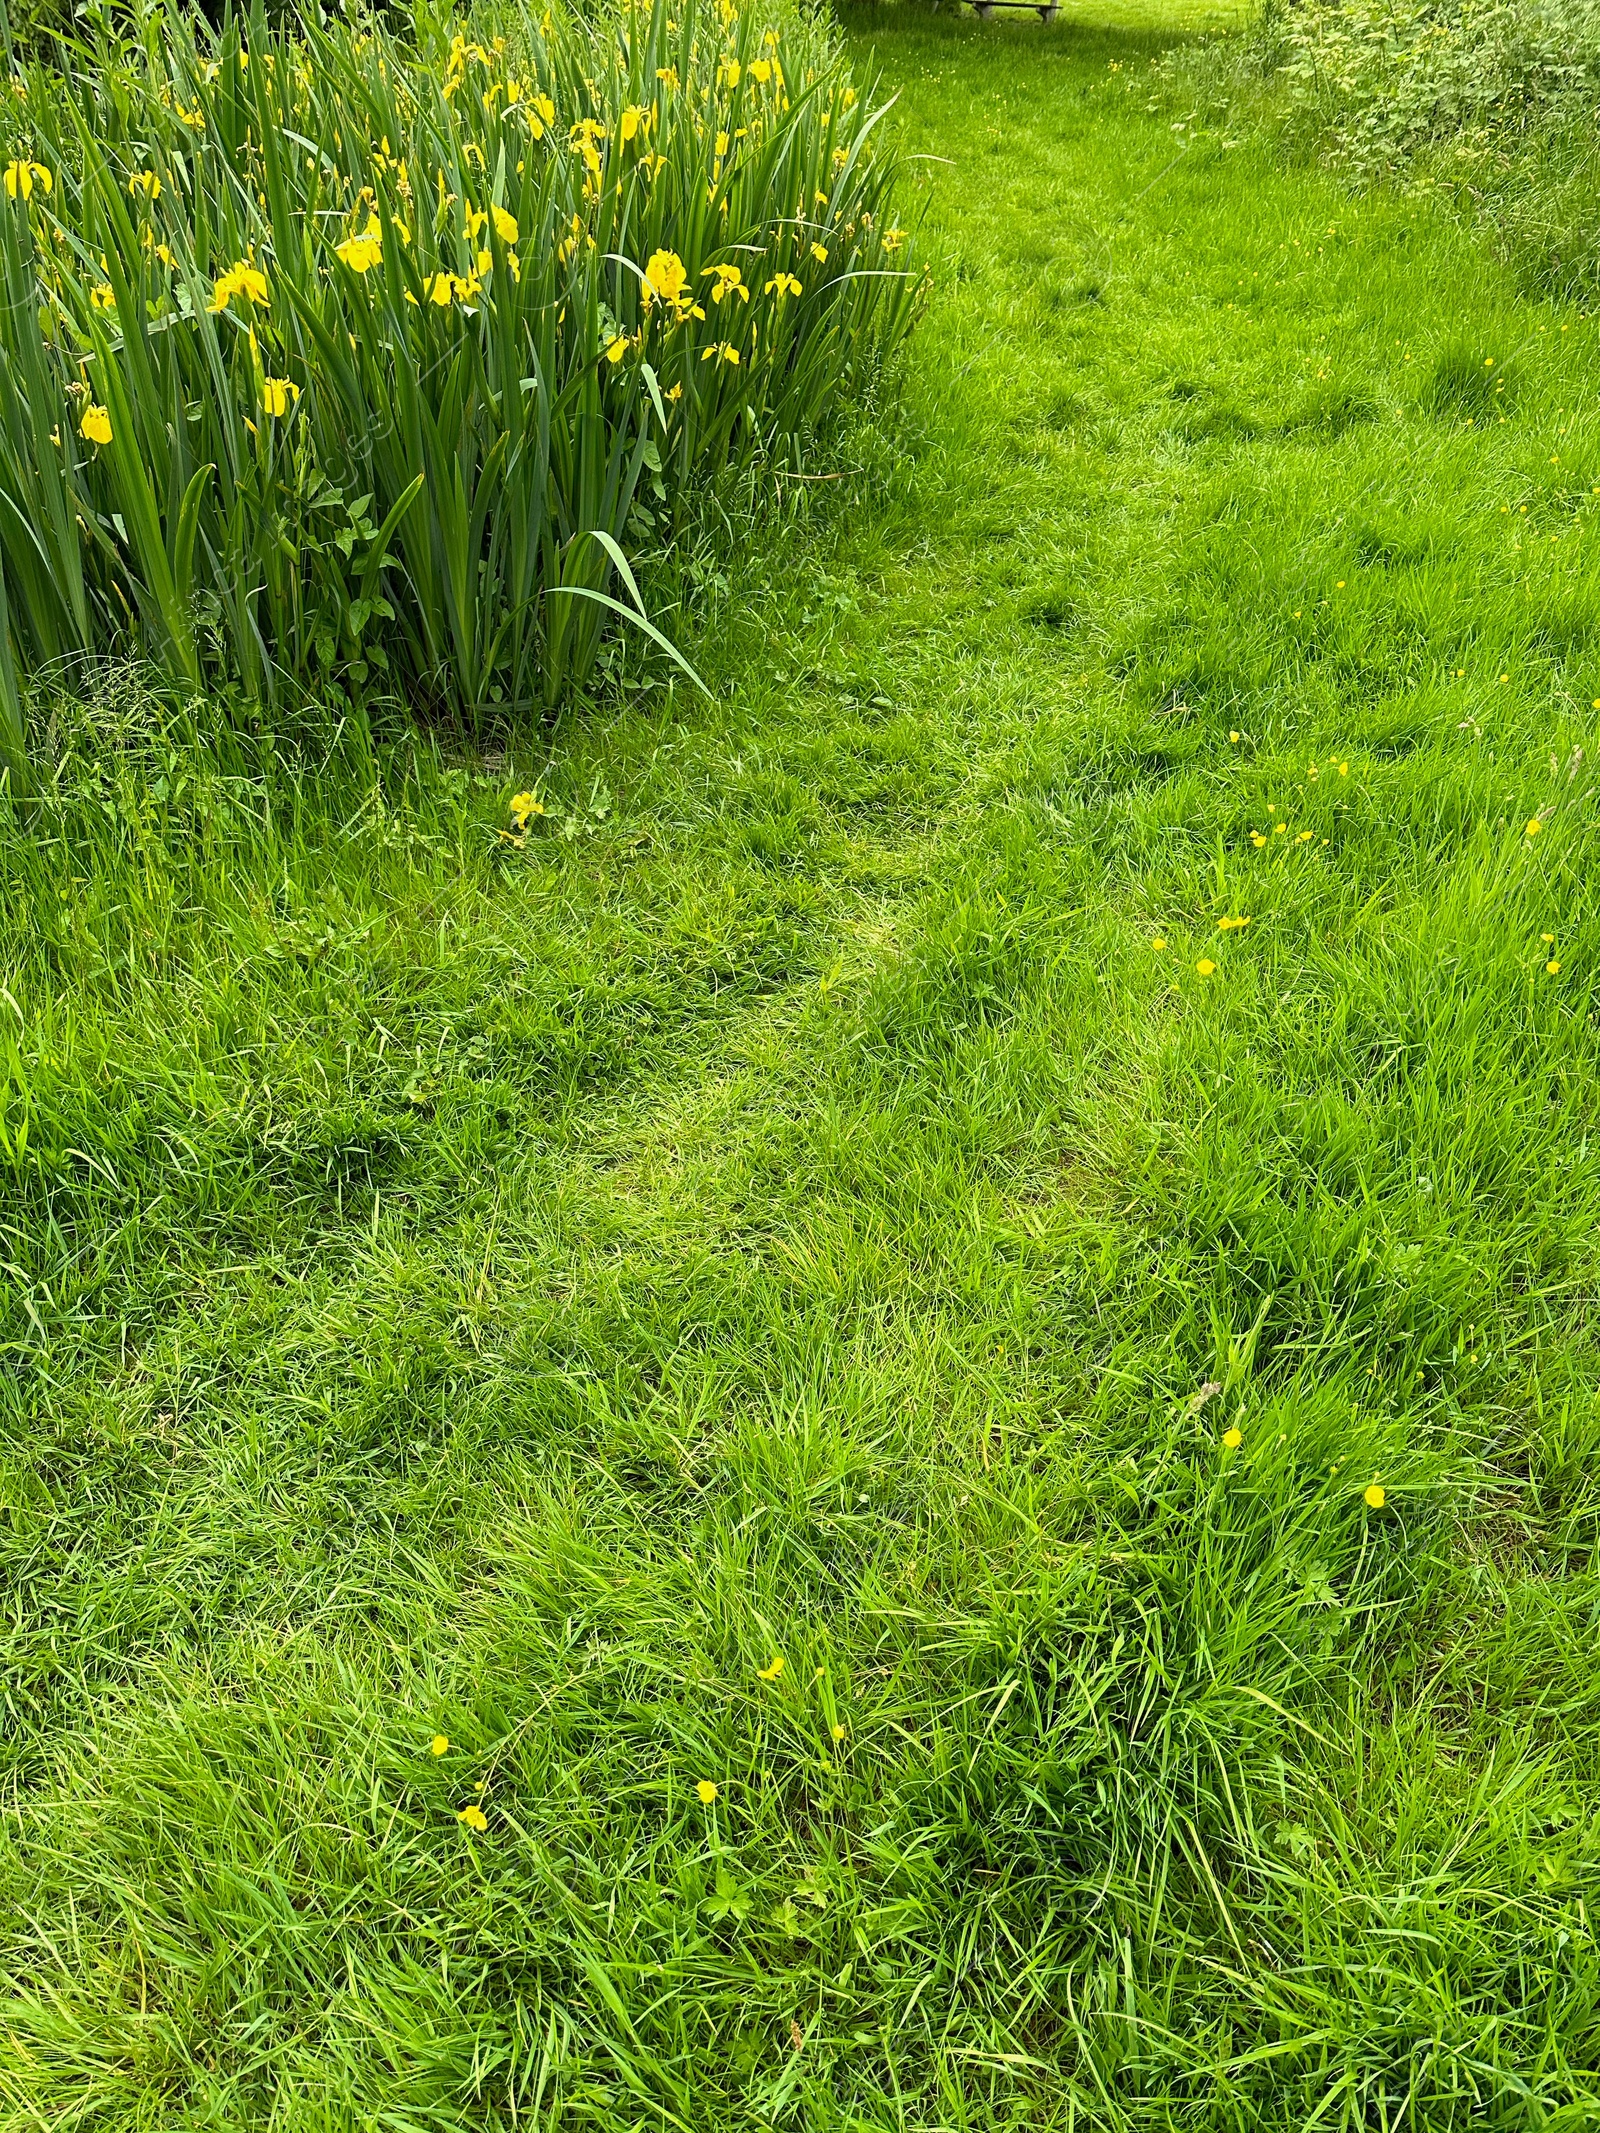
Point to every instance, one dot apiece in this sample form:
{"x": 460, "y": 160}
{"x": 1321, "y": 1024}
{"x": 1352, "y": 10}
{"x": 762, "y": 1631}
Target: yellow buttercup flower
{"x": 439, "y": 1745}
{"x": 771, "y": 1673}
{"x": 1534, "y": 826}
{"x": 1158, "y": 943}
{"x": 1205, "y": 966}
{"x": 1233, "y": 1438}
{"x": 1554, "y": 965}
{"x": 1374, "y": 1496}
{"x": 837, "y": 1731}
{"x": 96, "y": 424}
{"x": 706, "y": 1790}
{"x": 278, "y": 394}
{"x": 473, "y": 1815}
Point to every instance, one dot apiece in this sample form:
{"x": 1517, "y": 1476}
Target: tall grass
{"x": 333, "y": 356}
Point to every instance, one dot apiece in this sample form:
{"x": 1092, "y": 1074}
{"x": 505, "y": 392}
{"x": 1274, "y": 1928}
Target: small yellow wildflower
{"x": 524, "y": 806}
{"x": 146, "y": 182}
{"x": 771, "y": 1673}
{"x": 1534, "y": 825}
{"x": 1305, "y": 837}
{"x": 278, "y": 395}
{"x": 819, "y": 253}
{"x": 473, "y": 1815}
{"x": 1549, "y": 939}
{"x": 618, "y": 349}
{"x": 102, "y": 297}
{"x": 1233, "y": 734}
{"x": 785, "y": 284}
{"x": 439, "y": 1745}
{"x": 1374, "y": 1495}
{"x": 96, "y": 424}
{"x": 1554, "y": 965}
{"x": 707, "y": 1791}
{"x": 1158, "y": 943}
{"x": 1205, "y": 966}
{"x": 1232, "y": 1438}
{"x": 725, "y": 349}
{"x": 838, "y": 1731}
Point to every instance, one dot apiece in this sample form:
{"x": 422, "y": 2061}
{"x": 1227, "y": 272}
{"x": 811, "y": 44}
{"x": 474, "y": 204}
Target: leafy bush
{"x": 1488, "y": 105}
{"x": 1381, "y": 80}
{"x": 331, "y": 353}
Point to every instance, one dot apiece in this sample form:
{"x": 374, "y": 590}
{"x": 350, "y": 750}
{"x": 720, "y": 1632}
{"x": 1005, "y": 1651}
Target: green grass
{"x": 790, "y": 1207}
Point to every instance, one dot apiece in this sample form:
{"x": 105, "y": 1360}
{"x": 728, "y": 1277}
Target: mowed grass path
{"x": 810, "y": 1204}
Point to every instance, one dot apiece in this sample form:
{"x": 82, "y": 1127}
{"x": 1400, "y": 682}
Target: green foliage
{"x": 1487, "y": 105}
{"x": 786, "y": 1204}
{"x": 336, "y": 359}
{"x": 1378, "y": 81}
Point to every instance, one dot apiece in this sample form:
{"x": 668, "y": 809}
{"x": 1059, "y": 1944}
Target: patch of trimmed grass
{"x": 792, "y": 1207}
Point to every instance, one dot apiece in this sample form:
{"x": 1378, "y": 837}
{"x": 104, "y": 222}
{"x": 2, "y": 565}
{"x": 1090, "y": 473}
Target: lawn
{"x": 897, "y": 1429}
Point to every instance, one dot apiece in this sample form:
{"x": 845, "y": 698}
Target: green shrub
{"x": 1381, "y": 80}
{"x": 334, "y": 356}
{"x": 1487, "y": 105}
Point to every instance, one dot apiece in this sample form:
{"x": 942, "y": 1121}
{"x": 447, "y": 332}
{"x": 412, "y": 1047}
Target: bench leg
{"x": 983, "y": 9}
{"x": 1048, "y": 14}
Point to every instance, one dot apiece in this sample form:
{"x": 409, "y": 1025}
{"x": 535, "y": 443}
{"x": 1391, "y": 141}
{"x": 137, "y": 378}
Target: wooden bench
{"x": 1046, "y": 11}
